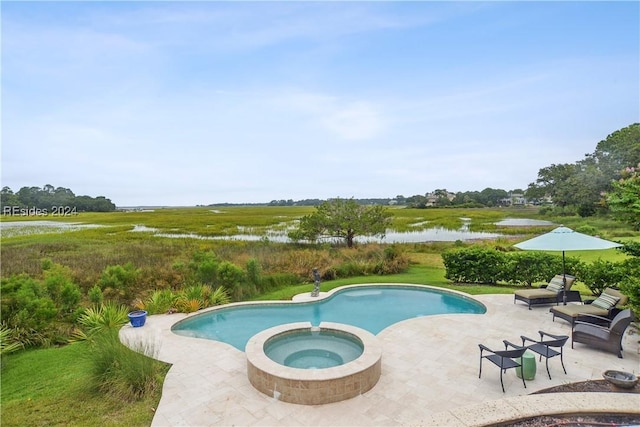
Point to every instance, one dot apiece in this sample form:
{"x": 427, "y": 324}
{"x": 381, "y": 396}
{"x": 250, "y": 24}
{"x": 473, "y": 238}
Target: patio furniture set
{"x": 599, "y": 323}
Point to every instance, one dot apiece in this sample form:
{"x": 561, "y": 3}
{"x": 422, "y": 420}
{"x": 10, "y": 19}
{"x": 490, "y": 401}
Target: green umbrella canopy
{"x": 565, "y": 239}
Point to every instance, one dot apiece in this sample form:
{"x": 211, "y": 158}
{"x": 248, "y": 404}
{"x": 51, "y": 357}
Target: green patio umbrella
{"x": 565, "y": 239}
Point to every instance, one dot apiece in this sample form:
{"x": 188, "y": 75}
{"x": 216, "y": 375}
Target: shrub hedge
{"x": 486, "y": 265}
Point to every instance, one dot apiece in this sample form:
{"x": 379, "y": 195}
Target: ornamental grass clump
{"x": 121, "y": 372}
{"x": 117, "y": 370}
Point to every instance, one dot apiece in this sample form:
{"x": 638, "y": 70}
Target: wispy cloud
{"x": 249, "y": 101}
{"x": 349, "y": 120}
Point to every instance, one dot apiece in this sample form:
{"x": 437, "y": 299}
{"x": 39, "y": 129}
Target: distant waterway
{"x": 25, "y": 228}
{"x": 434, "y": 234}
{"x": 523, "y": 222}
{"x": 279, "y": 235}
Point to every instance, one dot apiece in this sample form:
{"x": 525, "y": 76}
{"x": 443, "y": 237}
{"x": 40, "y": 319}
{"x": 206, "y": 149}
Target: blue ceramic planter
{"x": 137, "y": 318}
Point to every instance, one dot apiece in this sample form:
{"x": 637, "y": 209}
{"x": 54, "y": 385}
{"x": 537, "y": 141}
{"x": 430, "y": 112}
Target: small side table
{"x": 528, "y": 362}
{"x": 572, "y": 296}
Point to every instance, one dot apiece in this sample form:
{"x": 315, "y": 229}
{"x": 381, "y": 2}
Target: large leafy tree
{"x": 553, "y": 181}
{"x": 492, "y": 197}
{"x": 584, "y": 189}
{"x": 344, "y": 219}
{"x": 9, "y": 198}
{"x": 624, "y": 199}
{"x": 620, "y": 150}
{"x": 582, "y": 184}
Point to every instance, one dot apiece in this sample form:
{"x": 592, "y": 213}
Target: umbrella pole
{"x": 564, "y": 281}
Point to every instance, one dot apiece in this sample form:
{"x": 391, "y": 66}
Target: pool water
{"x": 309, "y": 349}
{"x": 372, "y": 308}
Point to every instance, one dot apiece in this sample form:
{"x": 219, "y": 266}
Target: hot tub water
{"x": 313, "y": 348}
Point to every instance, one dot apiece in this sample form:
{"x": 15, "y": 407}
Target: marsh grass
{"x": 479, "y": 219}
{"x": 89, "y": 251}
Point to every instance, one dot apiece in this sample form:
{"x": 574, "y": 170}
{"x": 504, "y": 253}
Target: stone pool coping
{"x": 313, "y": 386}
{"x": 429, "y": 376}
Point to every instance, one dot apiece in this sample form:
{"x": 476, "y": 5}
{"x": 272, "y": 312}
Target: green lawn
{"x": 52, "y": 387}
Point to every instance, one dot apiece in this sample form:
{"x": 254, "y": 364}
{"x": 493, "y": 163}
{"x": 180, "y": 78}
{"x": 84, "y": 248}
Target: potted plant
{"x": 137, "y": 318}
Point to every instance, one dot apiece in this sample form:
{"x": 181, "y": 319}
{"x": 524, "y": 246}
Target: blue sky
{"x": 184, "y": 103}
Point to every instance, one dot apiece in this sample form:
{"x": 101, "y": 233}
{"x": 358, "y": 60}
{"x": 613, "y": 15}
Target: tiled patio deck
{"x": 429, "y": 376}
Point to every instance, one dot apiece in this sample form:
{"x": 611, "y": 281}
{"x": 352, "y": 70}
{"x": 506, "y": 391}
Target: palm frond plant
{"x": 160, "y": 301}
{"x": 189, "y": 305}
{"x": 219, "y": 296}
{"x": 197, "y": 291}
{"x": 105, "y": 316}
{"x": 7, "y": 343}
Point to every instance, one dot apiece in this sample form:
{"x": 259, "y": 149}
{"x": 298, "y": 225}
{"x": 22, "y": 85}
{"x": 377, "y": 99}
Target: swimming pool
{"x": 370, "y": 307}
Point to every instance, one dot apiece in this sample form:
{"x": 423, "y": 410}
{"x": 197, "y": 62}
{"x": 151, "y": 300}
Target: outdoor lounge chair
{"x": 547, "y": 294}
{"x": 608, "y": 338}
{"x": 504, "y": 359}
{"x": 545, "y": 348}
{"x": 608, "y": 304}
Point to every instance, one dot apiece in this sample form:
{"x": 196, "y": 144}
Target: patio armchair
{"x": 608, "y": 304}
{"x": 504, "y": 359}
{"x": 548, "y": 294}
{"x": 546, "y": 348}
{"x": 589, "y": 330}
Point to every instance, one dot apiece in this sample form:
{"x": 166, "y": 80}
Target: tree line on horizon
{"x": 50, "y": 200}
{"x": 580, "y": 188}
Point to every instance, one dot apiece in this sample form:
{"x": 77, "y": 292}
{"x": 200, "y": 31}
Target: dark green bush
{"x": 528, "y": 267}
{"x": 119, "y": 281}
{"x": 253, "y": 272}
{"x": 602, "y": 274}
{"x": 28, "y": 310}
{"x": 60, "y": 288}
{"x": 545, "y": 210}
{"x": 204, "y": 268}
{"x": 631, "y": 248}
{"x": 352, "y": 268}
{"x": 232, "y": 277}
{"x": 477, "y": 264}
{"x": 587, "y": 229}
{"x": 95, "y": 295}
{"x": 393, "y": 261}
{"x": 474, "y": 265}
{"x": 278, "y": 281}
{"x": 630, "y": 286}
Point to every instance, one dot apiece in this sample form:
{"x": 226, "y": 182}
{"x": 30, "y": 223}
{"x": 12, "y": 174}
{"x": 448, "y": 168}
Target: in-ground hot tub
{"x": 298, "y": 363}
{"x": 313, "y": 348}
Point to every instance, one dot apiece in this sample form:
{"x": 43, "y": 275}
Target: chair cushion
{"x": 554, "y": 286}
{"x": 605, "y": 301}
{"x": 623, "y": 299}
{"x": 559, "y": 281}
{"x": 574, "y": 310}
{"x": 535, "y": 293}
